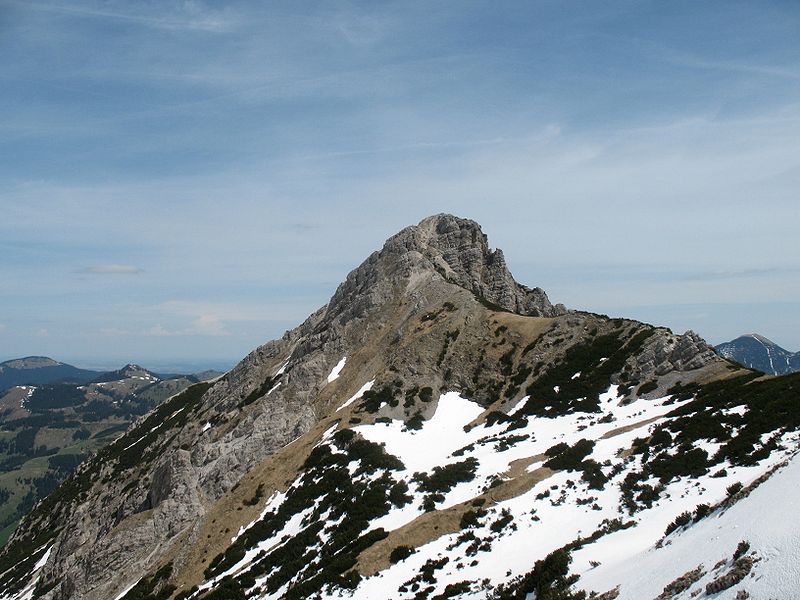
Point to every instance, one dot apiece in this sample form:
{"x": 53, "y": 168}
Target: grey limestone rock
{"x": 454, "y": 248}
{"x": 665, "y": 352}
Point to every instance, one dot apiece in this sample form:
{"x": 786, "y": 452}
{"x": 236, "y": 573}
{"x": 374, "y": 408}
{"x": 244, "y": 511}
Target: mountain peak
{"x": 424, "y": 366}
{"x": 760, "y": 338}
{"x": 451, "y": 248}
{"x": 31, "y": 362}
{"x": 758, "y": 352}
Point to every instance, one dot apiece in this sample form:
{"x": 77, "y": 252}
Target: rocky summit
{"x": 438, "y": 430}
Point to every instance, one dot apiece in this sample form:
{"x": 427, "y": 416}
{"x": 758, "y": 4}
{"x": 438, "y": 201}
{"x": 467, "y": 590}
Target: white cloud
{"x": 209, "y": 325}
{"x": 113, "y": 270}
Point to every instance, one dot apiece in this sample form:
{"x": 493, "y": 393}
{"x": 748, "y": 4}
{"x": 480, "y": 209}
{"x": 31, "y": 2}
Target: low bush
{"x": 400, "y": 553}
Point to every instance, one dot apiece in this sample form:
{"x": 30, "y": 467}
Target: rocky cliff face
{"x": 434, "y": 310}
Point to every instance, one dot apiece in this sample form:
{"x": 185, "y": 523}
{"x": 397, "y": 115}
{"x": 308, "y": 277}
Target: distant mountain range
{"x": 38, "y": 370}
{"x": 53, "y": 415}
{"x": 757, "y": 352}
{"x": 42, "y": 370}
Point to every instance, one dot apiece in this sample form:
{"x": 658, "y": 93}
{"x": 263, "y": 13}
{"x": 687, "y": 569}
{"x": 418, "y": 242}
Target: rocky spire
{"x": 457, "y": 250}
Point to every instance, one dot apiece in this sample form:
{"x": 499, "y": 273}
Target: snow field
{"x": 553, "y": 513}
{"x": 765, "y": 519}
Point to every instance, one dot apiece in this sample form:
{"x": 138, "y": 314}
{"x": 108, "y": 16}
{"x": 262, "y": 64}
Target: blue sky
{"x": 182, "y": 181}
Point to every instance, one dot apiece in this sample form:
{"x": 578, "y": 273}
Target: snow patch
{"x": 366, "y": 387}
{"x": 438, "y": 438}
{"x": 334, "y": 374}
{"x": 122, "y": 594}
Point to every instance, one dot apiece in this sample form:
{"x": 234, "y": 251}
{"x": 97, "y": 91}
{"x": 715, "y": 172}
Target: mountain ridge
{"x": 429, "y": 341}
{"x": 33, "y": 370}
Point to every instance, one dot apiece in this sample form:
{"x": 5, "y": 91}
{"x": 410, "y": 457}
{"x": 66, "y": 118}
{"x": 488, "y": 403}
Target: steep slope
{"x": 757, "y": 352}
{"x": 433, "y": 431}
{"x": 38, "y": 370}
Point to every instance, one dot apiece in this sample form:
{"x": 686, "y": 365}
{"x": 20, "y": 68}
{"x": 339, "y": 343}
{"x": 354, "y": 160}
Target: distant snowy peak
{"x": 757, "y": 352}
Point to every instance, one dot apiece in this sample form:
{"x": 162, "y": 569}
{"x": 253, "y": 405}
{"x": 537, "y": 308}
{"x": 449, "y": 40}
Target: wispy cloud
{"x": 685, "y": 59}
{"x": 249, "y": 154}
{"x": 179, "y": 318}
{"x": 549, "y": 133}
{"x": 208, "y": 314}
{"x": 204, "y": 325}
{"x": 741, "y": 274}
{"x": 188, "y": 15}
{"x": 112, "y": 270}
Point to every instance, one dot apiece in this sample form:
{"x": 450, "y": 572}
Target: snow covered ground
{"x": 556, "y": 508}
{"x": 766, "y": 519}
{"x": 554, "y": 512}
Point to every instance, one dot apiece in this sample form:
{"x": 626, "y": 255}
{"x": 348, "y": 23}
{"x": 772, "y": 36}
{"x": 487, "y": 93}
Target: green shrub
{"x": 701, "y": 512}
{"x": 741, "y": 549}
{"x": 505, "y": 518}
{"x": 593, "y": 474}
{"x": 569, "y": 458}
{"x": 259, "y": 494}
{"x": 734, "y": 489}
{"x": 647, "y": 387}
{"x": 681, "y": 520}
{"x": 372, "y": 400}
{"x": 472, "y": 518}
{"x": 400, "y": 553}
{"x": 414, "y": 423}
{"x": 398, "y": 495}
{"x": 443, "y": 479}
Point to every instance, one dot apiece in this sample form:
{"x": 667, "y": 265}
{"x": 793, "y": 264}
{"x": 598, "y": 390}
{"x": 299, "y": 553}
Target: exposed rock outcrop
{"x": 665, "y": 352}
